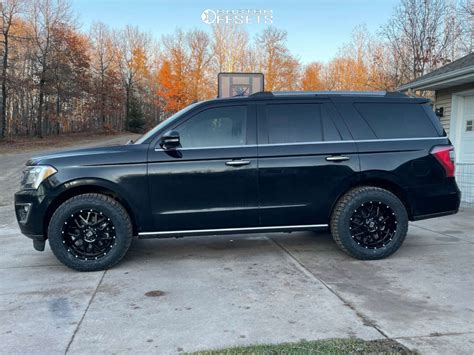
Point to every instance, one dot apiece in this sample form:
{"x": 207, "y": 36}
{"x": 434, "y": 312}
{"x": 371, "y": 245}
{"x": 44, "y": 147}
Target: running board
{"x": 193, "y": 232}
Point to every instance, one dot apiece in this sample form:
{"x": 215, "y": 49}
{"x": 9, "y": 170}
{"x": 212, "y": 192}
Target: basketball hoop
{"x": 239, "y": 84}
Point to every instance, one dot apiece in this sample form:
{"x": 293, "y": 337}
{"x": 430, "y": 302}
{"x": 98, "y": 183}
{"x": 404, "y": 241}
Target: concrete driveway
{"x": 202, "y": 293}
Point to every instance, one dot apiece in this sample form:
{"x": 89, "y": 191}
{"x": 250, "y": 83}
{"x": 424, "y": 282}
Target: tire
{"x": 362, "y": 236}
{"x": 98, "y": 244}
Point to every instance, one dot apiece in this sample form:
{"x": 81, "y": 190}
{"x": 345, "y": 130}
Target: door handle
{"x": 237, "y": 162}
{"x": 337, "y": 158}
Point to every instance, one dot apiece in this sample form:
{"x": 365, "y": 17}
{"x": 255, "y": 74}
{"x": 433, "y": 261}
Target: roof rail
{"x": 264, "y": 94}
{"x": 338, "y": 93}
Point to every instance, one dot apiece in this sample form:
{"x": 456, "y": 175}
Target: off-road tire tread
{"x": 123, "y": 246}
{"x": 341, "y": 208}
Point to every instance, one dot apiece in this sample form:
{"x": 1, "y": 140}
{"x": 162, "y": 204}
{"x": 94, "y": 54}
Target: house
{"x": 453, "y": 86}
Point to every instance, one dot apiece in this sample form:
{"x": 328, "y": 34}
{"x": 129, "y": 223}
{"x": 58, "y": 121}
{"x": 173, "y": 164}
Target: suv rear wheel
{"x": 90, "y": 232}
{"x": 369, "y": 223}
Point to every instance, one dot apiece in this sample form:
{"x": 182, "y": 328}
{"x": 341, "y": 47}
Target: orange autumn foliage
{"x": 171, "y": 88}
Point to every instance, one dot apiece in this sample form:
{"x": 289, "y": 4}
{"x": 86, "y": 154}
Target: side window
{"x": 215, "y": 127}
{"x": 397, "y": 120}
{"x": 293, "y": 123}
{"x": 330, "y": 132}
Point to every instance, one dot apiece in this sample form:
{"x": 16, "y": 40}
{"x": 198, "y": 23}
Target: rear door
{"x": 306, "y": 157}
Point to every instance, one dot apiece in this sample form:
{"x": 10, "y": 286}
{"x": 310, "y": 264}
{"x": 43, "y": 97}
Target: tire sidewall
{"x": 345, "y": 234}
{"x": 122, "y": 233}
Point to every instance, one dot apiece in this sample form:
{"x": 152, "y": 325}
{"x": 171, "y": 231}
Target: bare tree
{"x": 131, "y": 46}
{"x": 229, "y": 47}
{"x": 200, "y": 57}
{"x": 103, "y": 60}
{"x": 467, "y": 18}
{"x": 46, "y": 17}
{"x": 423, "y": 34}
{"x": 281, "y": 69}
{"x": 9, "y": 9}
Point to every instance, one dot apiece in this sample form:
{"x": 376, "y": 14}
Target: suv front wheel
{"x": 369, "y": 223}
{"x": 90, "y": 232}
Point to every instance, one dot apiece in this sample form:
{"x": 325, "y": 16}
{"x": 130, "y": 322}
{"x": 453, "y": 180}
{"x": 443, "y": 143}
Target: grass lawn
{"x": 328, "y": 346}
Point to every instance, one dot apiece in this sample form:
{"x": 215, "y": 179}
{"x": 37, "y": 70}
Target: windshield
{"x": 167, "y": 121}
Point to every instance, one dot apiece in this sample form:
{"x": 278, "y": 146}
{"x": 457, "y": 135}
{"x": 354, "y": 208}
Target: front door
{"x": 210, "y": 181}
{"x": 304, "y": 162}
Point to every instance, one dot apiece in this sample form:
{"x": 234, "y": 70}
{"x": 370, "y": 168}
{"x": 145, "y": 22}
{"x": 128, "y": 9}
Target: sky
{"x": 316, "y": 29}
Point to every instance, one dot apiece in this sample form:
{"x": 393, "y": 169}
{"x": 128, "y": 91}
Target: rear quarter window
{"x": 397, "y": 120}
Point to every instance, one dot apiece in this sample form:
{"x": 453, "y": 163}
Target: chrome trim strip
{"x": 190, "y": 231}
{"x": 217, "y": 147}
{"x": 322, "y": 142}
{"x": 355, "y": 141}
{"x": 398, "y": 139}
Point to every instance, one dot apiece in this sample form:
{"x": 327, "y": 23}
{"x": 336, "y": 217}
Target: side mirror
{"x": 170, "y": 140}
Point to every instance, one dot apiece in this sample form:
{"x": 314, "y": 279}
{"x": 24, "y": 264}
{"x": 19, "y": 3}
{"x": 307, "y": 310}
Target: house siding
{"x": 444, "y": 98}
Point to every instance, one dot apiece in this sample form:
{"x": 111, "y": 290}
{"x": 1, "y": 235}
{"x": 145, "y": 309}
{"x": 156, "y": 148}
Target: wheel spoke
{"x": 88, "y": 234}
{"x": 373, "y": 224}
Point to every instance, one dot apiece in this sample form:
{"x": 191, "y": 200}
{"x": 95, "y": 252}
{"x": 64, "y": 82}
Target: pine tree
{"x": 135, "y": 118}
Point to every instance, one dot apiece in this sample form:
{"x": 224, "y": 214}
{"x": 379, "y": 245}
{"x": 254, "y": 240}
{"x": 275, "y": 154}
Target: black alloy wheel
{"x": 373, "y": 225}
{"x": 88, "y": 234}
{"x": 369, "y": 223}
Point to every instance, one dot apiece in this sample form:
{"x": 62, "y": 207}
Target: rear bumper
{"x": 434, "y": 200}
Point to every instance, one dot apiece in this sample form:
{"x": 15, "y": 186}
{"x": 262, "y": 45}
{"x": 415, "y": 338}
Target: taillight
{"x": 445, "y": 156}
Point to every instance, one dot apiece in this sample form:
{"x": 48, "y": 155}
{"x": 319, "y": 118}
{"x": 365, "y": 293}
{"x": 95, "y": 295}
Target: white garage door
{"x": 466, "y": 154}
{"x": 465, "y": 150}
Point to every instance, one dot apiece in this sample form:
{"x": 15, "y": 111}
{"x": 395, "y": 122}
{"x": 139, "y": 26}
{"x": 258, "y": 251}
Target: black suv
{"x": 361, "y": 164}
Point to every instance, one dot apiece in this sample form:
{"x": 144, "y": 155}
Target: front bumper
{"x": 30, "y": 210}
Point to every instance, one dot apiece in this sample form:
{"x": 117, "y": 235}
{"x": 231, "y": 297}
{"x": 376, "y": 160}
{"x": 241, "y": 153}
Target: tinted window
{"x": 293, "y": 123}
{"x": 397, "y": 120}
{"x": 166, "y": 122}
{"x": 330, "y": 132}
{"x": 215, "y": 127}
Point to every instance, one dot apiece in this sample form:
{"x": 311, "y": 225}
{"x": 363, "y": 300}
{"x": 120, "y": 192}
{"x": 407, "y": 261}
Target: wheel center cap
{"x": 89, "y": 235}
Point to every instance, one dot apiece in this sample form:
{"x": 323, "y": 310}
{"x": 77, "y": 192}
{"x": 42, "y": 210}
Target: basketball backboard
{"x": 239, "y": 84}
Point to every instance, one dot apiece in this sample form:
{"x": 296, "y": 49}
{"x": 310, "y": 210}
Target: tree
{"x": 199, "y": 59}
{"x": 171, "y": 88}
{"x": 229, "y": 47}
{"x": 467, "y": 21}
{"x": 70, "y": 77}
{"x": 423, "y": 35}
{"x": 106, "y": 87}
{"x": 135, "y": 118}
{"x": 278, "y": 65}
{"x": 132, "y": 47}
{"x": 46, "y": 18}
{"x": 9, "y": 10}
{"x": 312, "y": 77}
{"x": 174, "y": 74}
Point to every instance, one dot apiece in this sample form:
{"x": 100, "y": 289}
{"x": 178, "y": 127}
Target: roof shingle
{"x": 460, "y": 63}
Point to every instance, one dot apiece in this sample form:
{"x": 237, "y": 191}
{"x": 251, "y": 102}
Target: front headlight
{"x": 33, "y": 176}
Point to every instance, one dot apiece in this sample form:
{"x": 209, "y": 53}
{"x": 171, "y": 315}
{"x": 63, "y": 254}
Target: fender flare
{"x": 70, "y": 188}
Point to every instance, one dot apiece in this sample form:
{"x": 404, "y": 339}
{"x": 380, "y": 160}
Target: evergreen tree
{"x": 135, "y": 117}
